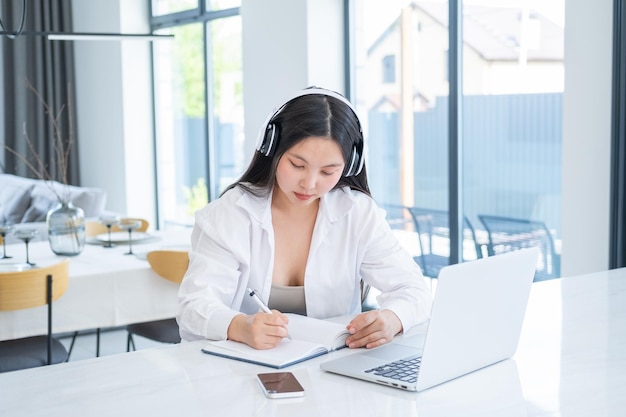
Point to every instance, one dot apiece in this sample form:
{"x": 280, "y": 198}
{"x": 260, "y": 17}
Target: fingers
{"x": 283, "y": 317}
{"x": 362, "y": 321}
{"x": 267, "y": 330}
{"x": 372, "y": 340}
{"x": 368, "y": 338}
{"x": 373, "y": 329}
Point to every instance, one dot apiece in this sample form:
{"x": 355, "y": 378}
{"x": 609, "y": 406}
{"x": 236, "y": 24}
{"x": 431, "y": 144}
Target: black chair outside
{"x": 432, "y": 236}
{"x": 29, "y": 289}
{"x": 400, "y": 218}
{"x": 434, "y": 231}
{"x": 507, "y": 234}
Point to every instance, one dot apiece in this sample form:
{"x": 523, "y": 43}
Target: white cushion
{"x": 14, "y": 200}
{"x": 91, "y": 200}
{"x": 43, "y": 198}
{"x": 38, "y": 210}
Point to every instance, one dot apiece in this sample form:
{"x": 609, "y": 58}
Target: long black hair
{"x": 305, "y": 116}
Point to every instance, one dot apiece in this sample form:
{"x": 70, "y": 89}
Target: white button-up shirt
{"x": 233, "y": 248}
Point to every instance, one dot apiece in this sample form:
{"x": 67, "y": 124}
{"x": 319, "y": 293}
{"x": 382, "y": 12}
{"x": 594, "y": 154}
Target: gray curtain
{"x": 38, "y": 71}
{"x": 617, "y": 248}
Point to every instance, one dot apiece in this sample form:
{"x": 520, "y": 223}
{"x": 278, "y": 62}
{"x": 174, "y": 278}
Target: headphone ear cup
{"x": 269, "y": 142}
{"x": 355, "y": 160}
{"x": 354, "y": 163}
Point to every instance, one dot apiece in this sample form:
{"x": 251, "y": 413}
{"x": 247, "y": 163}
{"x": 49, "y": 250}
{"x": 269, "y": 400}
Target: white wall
{"x": 586, "y": 136}
{"x": 114, "y": 110}
{"x": 288, "y": 45}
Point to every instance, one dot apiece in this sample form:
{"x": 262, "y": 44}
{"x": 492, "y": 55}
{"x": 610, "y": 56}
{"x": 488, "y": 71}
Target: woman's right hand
{"x": 260, "y": 331}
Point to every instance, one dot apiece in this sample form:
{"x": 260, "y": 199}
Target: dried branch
{"x": 61, "y": 148}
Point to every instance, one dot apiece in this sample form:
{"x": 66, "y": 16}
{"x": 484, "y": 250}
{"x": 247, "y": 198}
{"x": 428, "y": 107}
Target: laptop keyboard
{"x": 404, "y": 370}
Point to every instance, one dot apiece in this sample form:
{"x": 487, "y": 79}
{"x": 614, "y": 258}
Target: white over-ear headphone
{"x": 267, "y": 139}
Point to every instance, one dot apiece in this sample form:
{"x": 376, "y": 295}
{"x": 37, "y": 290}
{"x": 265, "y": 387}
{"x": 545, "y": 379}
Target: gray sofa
{"x": 24, "y": 202}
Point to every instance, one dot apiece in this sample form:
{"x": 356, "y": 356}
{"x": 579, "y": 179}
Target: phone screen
{"x": 280, "y": 385}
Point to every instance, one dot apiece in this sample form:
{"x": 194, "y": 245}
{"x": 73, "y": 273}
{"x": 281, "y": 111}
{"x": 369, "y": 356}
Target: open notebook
{"x": 309, "y": 338}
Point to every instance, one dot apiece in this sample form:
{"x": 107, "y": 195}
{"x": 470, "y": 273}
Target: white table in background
{"x": 571, "y": 362}
{"x": 106, "y": 288}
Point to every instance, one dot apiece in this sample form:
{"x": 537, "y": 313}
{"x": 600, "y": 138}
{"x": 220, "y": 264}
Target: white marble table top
{"x": 571, "y": 361}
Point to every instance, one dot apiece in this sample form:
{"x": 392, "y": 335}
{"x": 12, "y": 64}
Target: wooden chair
{"x": 507, "y": 234}
{"x": 29, "y": 289}
{"x": 170, "y": 265}
{"x": 144, "y": 224}
{"x": 95, "y": 228}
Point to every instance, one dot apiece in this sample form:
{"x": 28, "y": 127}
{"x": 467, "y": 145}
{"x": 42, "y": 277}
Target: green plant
{"x": 197, "y": 196}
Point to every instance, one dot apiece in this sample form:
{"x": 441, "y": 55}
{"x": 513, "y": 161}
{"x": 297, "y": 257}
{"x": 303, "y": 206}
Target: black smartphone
{"x": 280, "y": 385}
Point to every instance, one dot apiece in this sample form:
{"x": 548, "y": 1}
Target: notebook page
{"x": 328, "y": 333}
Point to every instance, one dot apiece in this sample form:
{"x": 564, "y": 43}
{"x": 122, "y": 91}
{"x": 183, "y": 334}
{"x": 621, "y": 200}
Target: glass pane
{"x": 180, "y": 124}
{"x": 512, "y": 102}
{"x": 402, "y": 97}
{"x": 511, "y": 133}
{"x": 222, "y": 4}
{"x": 226, "y": 97}
{"x": 163, "y": 7}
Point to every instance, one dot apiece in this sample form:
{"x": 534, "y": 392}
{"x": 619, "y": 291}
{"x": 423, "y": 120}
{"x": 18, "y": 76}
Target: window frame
{"x": 201, "y": 15}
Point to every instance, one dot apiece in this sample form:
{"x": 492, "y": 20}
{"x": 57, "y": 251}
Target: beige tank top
{"x": 287, "y": 299}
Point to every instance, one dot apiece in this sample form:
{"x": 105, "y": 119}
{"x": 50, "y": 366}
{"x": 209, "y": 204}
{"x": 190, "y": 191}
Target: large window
{"x": 510, "y": 137}
{"x": 198, "y": 104}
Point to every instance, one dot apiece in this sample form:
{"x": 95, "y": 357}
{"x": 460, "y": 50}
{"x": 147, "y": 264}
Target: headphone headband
{"x": 267, "y": 136}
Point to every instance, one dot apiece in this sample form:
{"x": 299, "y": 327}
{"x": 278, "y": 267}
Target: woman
{"x": 300, "y": 227}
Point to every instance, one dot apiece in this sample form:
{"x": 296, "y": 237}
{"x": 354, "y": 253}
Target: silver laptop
{"x": 476, "y": 321}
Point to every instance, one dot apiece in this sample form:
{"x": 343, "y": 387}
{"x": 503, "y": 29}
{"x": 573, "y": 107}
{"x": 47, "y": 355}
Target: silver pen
{"x": 255, "y": 297}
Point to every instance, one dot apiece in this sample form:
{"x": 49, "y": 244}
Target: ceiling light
{"x": 106, "y": 37}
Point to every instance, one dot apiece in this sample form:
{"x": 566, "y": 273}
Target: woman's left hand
{"x": 373, "y": 328}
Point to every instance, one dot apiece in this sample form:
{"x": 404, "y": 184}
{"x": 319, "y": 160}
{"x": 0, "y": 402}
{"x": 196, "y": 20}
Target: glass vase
{"x": 66, "y": 229}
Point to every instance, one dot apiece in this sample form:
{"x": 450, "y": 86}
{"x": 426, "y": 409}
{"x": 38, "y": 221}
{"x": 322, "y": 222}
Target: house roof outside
{"x": 495, "y": 32}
